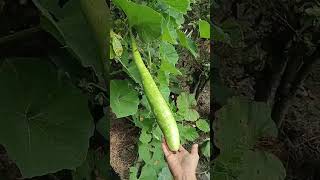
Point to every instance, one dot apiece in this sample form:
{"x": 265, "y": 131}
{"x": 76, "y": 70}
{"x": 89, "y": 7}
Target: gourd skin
{"x": 158, "y": 104}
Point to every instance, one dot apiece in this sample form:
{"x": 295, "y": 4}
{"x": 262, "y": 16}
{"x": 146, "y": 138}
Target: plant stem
{"x": 282, "y": 104}
{"x": 19, "y": 35}
{"x": 149, "y": 55}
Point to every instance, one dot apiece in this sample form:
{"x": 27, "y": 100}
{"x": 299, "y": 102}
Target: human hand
{"x": 182, "y": 164}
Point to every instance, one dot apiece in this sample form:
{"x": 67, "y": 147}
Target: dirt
{"x": 204, "y": 101}
{"x": 302, "y": 127}
{"x": 8, "y": 168}
{"x": 123, "y": 146}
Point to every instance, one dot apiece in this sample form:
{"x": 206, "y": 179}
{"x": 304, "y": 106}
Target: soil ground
{"x": 123, "y": 146}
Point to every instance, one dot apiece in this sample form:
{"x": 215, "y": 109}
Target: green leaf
{"x": 205, "y": 148}
{"x": 169, "y": 33}
{"x": 116, "y": 44}
{"x": 173, "y": 16}
{"x": 133, "y": 173}
{"x": 144, "y": 152}
{"x": 262, "y": 165}
{"x": 165, "y": 174}
{"x": 145, "y": 103}
{"x": 187, "y": 43}
{"x": 169, "y": 68}
{"x": 143, "y": 120}
{"x": 112, "y": 53}
{"x": 204, "y": 29}
{"x": 186, "y": 104}
{"x": 165, "y": 91}
{"x": 163, "y": 78}
{"x": 157, "y": 133}
{"x": 181, "y": 6}
{"x": 148, "y": 173}
{"x": 146, "y": 20}
{"x": 124, "y": 100}
{"x": 49, "y": 116}
{"x": 240, "y": 123}
{"x": 191, "y": 133}
{"x": 145, "y": 137}
{"x": 130, "y": 67}
{"x": 157, "y": 161}
{"x": 187, "y": 132}
{"x": 168, "y": 52}
{"x": 98, "y": 18}
{"x": 203, "y": 125}
{"x": 72, "y": 31}
{"x": 191, "y": 115}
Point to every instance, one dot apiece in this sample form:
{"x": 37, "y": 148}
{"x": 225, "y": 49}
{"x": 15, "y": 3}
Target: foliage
{"x": 46, "y": 99}
{"x": 277, "y": 43}
{"x": 158, "y": 26}
{"x": 239, "y": 125}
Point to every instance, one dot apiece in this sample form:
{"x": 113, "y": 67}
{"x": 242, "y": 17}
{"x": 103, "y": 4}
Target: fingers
{"x": 182, "y": 149}
{"x": 165, "y": 148}
{"x": 194, "y": 149}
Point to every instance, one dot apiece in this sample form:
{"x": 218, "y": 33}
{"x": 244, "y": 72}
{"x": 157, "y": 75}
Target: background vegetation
{"x": 169, "y": 41}
{"x": 268, "y": 51}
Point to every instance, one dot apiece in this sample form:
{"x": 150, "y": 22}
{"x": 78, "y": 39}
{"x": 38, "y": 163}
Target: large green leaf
{"x": 124, "y": 100}
{"x": 240, "y": 123}
{"x": 49, "y": 117}
{"x": 98, "y": 17}
{"x": 73, "y": 31}
{"x": 238, "y": 127}
{"x": 263, "y": 166}
{"x": 146, "y": 20}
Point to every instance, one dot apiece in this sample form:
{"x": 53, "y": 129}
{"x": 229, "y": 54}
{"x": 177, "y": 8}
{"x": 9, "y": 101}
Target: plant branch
{"x": 19, "y": 35}
{"x": 283, "y": 102}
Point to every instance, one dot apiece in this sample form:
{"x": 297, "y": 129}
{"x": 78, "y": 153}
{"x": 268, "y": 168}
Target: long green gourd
{"x": 158, "y": 104}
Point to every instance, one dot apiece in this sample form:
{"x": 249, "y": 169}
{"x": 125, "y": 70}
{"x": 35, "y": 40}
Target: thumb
{"x": 194, "y": 149}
